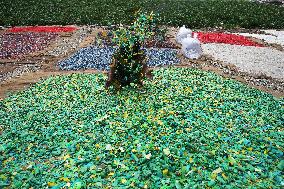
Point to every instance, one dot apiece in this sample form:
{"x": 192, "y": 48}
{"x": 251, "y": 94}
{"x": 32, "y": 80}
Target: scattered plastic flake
{"x": 233, "y": 39}
{"x": 42, "y": 29}
{"x": 100, "y": 58}
{"x": 14, "y": 45}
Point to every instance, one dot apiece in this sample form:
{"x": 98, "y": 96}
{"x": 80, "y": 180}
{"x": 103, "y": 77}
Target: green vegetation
{"x": 194, "y": 13}
{"x": 129, "y": 64}
{"x": 185, "y": 129}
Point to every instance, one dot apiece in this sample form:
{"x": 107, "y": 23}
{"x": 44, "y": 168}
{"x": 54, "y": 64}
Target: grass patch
{"x": 194, "y": 14}
{"x": 185, "y": 129}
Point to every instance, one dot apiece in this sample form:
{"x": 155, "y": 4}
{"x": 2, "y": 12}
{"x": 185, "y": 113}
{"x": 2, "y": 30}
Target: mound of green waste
{"x": 185, "y": 129}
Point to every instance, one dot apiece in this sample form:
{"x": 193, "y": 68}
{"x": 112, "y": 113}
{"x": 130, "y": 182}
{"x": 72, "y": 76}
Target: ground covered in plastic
{"x": 227, "y": 38}
{"x": 15, "y": 45}
{"x": 249, "y": 59}
{"x": 186, "y": 128}
{"x": 100, "y": 58}
{"x": 45, "y": 29}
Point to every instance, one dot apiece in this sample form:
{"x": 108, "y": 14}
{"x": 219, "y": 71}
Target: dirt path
{"x": 206, "y": 63}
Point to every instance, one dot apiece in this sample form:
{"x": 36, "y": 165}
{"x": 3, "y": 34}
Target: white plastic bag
{"x": 191, "y": 47}
{"x": 183, "y": 33}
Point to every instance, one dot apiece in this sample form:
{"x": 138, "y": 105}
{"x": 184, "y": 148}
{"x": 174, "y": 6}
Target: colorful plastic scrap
{"x": 54, "y": 29}
{"x": 14, "y": 45}
{"x": 233, "y": 39}
{"x": 99, "y": 58}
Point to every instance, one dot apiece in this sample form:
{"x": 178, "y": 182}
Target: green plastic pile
{"x": 185, "y": 129}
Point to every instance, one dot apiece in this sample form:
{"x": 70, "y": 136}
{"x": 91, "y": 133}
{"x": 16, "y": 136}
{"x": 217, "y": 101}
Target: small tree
{"x": 129, "y": 63}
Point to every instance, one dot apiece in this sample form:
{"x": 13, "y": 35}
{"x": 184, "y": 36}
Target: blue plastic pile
{"x": 99, "y": 58}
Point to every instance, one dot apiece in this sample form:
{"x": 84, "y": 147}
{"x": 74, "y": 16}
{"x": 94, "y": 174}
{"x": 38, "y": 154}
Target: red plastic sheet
{"x": 42, "y": 29}
{"x": 233, "y": 39}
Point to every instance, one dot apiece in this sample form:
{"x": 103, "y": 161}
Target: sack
{"x": 191, "y": 47}
{"x": 183, "y": 33}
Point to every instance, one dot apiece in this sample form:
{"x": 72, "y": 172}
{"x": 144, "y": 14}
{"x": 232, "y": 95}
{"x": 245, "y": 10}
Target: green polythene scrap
{"x": 185, "y": 128}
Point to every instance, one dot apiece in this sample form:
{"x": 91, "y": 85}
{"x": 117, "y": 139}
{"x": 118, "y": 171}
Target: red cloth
{"x": 233, "y": 39}
{"x": 42, "y": 29}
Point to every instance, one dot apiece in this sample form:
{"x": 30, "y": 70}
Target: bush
{"x": 193, "y": 14}
{"x": 129, "y": 61}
